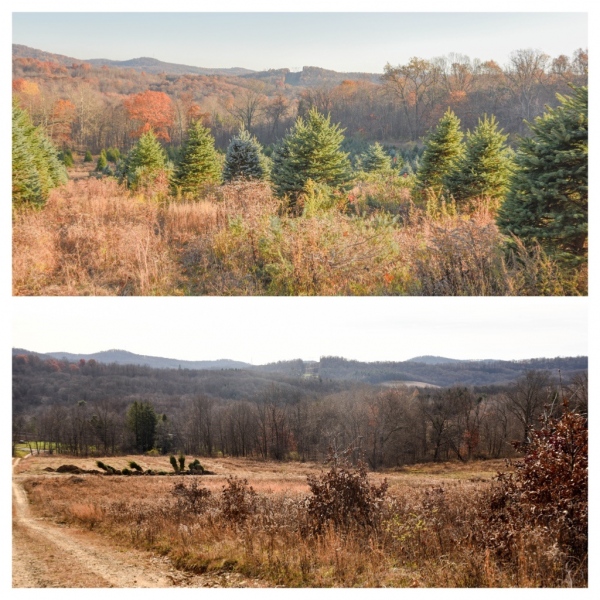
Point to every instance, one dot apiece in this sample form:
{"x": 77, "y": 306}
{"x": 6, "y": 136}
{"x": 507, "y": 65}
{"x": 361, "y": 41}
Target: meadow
{"x": 95, "y": 237}
{"x": 277, "y": 524}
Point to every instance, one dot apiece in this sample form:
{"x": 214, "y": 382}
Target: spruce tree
{"x": 26, "y": 183}
{"x": 548, "y": 197}
{"x": 244, "y": 159}
{"x": 66, "y": 157}
{"x": 51, "y": 168}
{"x": 376, "y": 160}
{"x": 145, "y": 160}
{"x": 484, "y": 169}
{"x": 310, "y": 151}
{"x": 36, "y": 166}
{"x": 102, "y": 161}
{"x": 88, "y": 156}
{"x": 199, "y": 162}
{"x": 443, "y": 149}
{"x": 141, "y": 420}
{"x": 113, "y": 155}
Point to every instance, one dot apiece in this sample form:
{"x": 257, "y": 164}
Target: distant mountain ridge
{"x": 144, "y": 63}
{"x": 123, "y": 357}
{"x": 434, "y": 370}
{"x": 308, "y": 76}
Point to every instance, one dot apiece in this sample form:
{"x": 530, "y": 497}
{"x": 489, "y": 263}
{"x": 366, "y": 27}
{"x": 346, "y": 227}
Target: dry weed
{"x": 95, "y": 237}
{"x": 426, "y": 535}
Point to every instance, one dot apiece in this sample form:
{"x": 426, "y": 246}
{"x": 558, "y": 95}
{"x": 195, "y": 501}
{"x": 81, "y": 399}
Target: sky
{"x": 260, "y": 330}
{"x": 349, "y": 41}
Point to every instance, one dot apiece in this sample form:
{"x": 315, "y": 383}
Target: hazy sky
{"x": 355, "y": 41}
{"x": 261, "y": 330}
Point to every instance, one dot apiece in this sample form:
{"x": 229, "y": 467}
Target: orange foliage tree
{"x": 151, "y": 110}
{"x": 63, "y": 115}
{"x": 23, "y": 86}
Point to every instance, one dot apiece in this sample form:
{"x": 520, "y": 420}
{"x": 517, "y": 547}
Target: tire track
{"x": 46, "y": 555}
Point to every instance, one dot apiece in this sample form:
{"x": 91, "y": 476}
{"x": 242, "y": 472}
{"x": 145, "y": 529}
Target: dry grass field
{"x": 94, "y": 237}
{"x": 252, "y": 521}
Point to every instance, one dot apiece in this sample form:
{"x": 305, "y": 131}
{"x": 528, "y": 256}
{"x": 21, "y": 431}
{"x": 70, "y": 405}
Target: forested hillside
{"x": 88, "y": 407}
{"x": 83, "y": 104}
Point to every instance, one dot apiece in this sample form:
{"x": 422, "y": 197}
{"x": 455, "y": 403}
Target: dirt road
{"x": 47, "y": 555}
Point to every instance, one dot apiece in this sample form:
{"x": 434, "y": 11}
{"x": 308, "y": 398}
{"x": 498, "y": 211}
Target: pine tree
{"x": 66, "y": 157}
{"x": 51, "y": 167}
{"x": 145, "y": 160}
{"x": 36, "y": 166}
{"x": 244, "y": 159}
{"x": 102, "y": 161}
{"x": 484, "y": 169}
{"x": 113, "y": 155}
{"x": 199, "y": 163}
{"x": 88, "y": 156}
{"x": 376, "y": 160}
{"x": 26, "y": 184}
{"x": 548, "y": 197}
{"x": 443, "y": 149}
{"x": 310, "y": 151}
{"x": 141, "y": 420}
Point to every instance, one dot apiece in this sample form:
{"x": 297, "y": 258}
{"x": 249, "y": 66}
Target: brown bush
{"x": 548, "y": 492}
{"x": 238, "y": 500}
{"x": 344, "y": 498}
{"x": 192, "y": 497}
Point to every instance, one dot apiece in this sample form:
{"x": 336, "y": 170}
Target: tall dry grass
{"x": 95, "y": 237}
{"x": 428, "y": 533}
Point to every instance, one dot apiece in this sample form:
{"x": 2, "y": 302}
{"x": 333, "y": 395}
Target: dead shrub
{"x": 547, "y": 495}
{"x": 344, "y": 499}
{"x": 192, "y": 497}
{"x": 238, "y": 500}
{"x": 461, "y": 258}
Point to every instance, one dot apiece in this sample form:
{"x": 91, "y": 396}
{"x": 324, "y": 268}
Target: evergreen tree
{"x": 88, "y": 156}
{"x": 51, "y": 167}
{"x": 376, "y": 160}
{"x": 199, "y": 163}
{"x": 36, "y": 166}
{"x": 443, "y": 149}
{"x": 141, "y": 420}
{"x": 244, "y": 159}
{"x": 145, "y": 160}
{"x": 66, "y": 157}
{"x": 113, "y": 155}
{"x": 548, "y": 197}
{"x": 484, "y": 169}
{"x": 310, "y": 151}
{"x": 102, "y": 161}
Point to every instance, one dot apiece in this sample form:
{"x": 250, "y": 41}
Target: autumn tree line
{"x": 89, "y": 408}
{"x": 88, "y": 107}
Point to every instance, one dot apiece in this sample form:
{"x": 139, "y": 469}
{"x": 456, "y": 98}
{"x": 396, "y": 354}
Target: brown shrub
{"x": 344, "y": 498}
{"x": 547, "y": 495}
{"x": 238, "y": 500}
{"x": 192, "y": 497}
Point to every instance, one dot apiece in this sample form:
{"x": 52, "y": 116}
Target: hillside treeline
{"x": 473, "y": 373}
{"x": 88, "y": 408}
{"x": 90, "y": 108}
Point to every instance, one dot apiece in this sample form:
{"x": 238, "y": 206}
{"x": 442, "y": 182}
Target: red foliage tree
{"x": 151, "y": 110}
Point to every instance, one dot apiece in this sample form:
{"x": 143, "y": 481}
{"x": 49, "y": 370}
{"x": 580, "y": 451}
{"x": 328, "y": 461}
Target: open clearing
{"x": 43, "y": 543}
{"x": 42, "y": 548}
